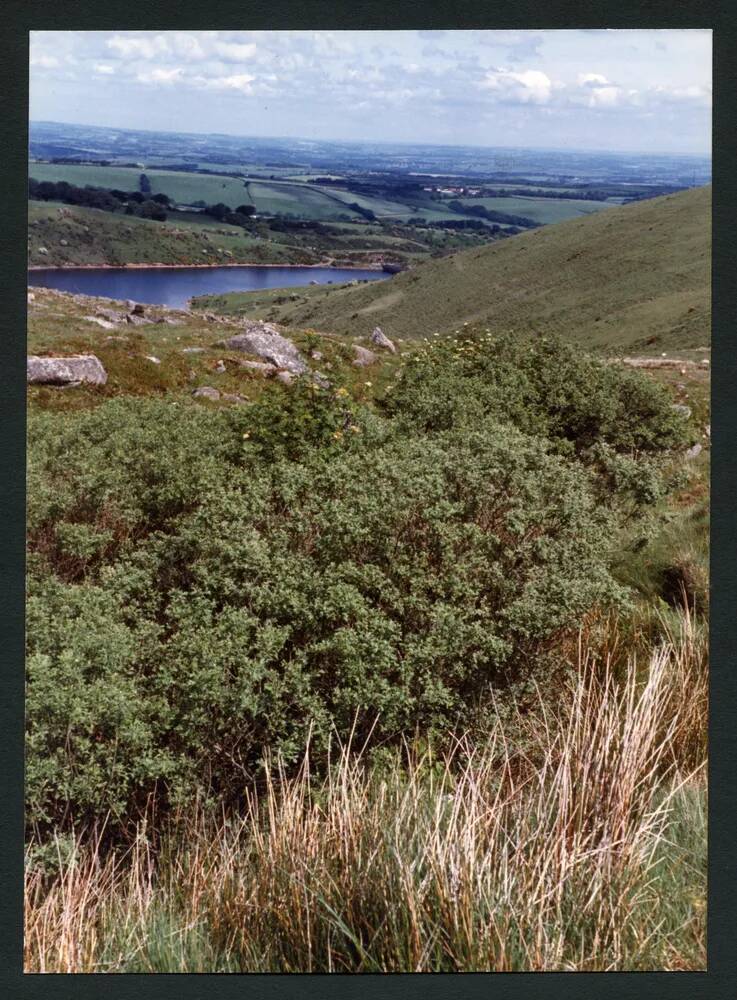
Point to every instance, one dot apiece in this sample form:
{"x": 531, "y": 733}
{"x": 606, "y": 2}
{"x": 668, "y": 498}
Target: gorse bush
{"x": 543, "y": 387}
{"x": 208, "y": 586}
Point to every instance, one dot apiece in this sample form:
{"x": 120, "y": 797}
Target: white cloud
{"x": 104, "y": 69}
{"x": 587, "y": 79}
{"x": 188, "y": 46}
{"x": 234, "y": 51}
{"x": 692, "y": 94}
{"x": 530, "y": 86}
{"x": 44, "y": 61}
{"x": 239, "y": 82}
{"x": 138, "y": 48}
{"x": 160, "y": 75}
{"x": 605, "y": 97}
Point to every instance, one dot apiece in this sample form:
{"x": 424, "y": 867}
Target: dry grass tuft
{"x": 572, "y": 838}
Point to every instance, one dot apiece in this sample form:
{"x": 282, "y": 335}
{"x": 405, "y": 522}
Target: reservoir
{"x": 173, "y": 286}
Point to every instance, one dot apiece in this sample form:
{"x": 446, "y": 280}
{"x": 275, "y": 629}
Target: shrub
{"x": 219, "y": 606}
{"x": 543, "y": 387}
{"x": 208, "y": 585}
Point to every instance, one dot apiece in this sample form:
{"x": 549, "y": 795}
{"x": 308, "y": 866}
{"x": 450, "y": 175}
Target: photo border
{"x": 721, "y": 978}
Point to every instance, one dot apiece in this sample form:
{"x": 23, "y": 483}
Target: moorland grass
{"x": 571, "y": 838}
{"x": 630, "y": 277}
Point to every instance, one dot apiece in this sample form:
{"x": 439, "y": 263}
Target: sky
{"x": 597, "y": 89}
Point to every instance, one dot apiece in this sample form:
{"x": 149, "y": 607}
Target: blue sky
{"x": 602, "y": 89}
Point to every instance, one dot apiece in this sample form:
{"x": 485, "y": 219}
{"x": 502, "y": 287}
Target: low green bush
{"x": 542, "y": 387}
{"x": 208, "y": 585}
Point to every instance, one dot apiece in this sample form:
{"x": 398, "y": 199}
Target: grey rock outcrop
{"x": 682, "y": 409}
{"x": 104, "y": 323}
{"x": 286, "y": 378}
{"x": 679, "y": 363}
{"x": 113, "y": 315}
{"x": 206, "y": 392}
{"x": 379, "y": 338}
{"x": 364, "y": 357}
{"x": 263, "y": 367}
{"x": 265, "y": 341}
{"x": 74, "y": 369}
{"x": 695, "y": 451}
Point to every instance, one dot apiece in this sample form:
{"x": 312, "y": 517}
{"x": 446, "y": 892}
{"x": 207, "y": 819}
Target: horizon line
{"x": 380, "y": 142}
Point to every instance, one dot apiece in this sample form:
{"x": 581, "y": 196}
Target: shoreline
{"x": 129, "y": 267}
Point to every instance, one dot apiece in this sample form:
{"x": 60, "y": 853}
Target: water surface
{"x": 173, "y": 286}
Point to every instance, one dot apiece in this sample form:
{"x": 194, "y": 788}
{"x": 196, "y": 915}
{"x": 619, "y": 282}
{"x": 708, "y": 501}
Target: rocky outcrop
{"x": 265, "y": 341}
{"x": 379, "y": 338}
{"x": 72, "y": 370}
{"x": 681, "y": 364}
{"x": 112, "y": 315}
{"x": 206, "y": 392}
{"x": 364, "y": 357}
{"x": 104, "y": 323}
{"x": 262, "y": 367}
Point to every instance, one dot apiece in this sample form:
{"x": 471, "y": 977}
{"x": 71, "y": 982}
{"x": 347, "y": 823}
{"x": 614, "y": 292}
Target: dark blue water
{"x": 173, "y": 286}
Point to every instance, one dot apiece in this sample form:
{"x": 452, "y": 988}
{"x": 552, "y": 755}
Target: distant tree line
{"x": 104, "y": 199}
{"x": 475, "y": 224}
{"x": 221, "y": 212}
{"x": 140, "y": 203}
{"x": 486, "y": 213}
{"x": 360, "y": 210}
{"x": 594, "y": 195}
{"x": 76, "y": 161}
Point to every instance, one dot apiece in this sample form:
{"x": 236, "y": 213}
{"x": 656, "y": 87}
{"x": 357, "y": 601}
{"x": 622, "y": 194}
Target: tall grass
{"x": 571, "y": 838}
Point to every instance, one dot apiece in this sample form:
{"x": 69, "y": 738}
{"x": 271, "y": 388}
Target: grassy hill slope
{"x": 631, "y": 276}
{"x": 94, "y": 237}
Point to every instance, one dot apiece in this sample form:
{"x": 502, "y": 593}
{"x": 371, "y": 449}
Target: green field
{"x": 541, "y": 210}
{"x": 182, "y": 187}
{"x": 123, "y": 178}
{"x": 636, "y": 273}
{"x": 301, "y": 200}
{"x": 185, "y": 189}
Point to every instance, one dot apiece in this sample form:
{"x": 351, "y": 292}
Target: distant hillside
{"x": 72, "y": 235}
{"x": 626, "y": 277}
